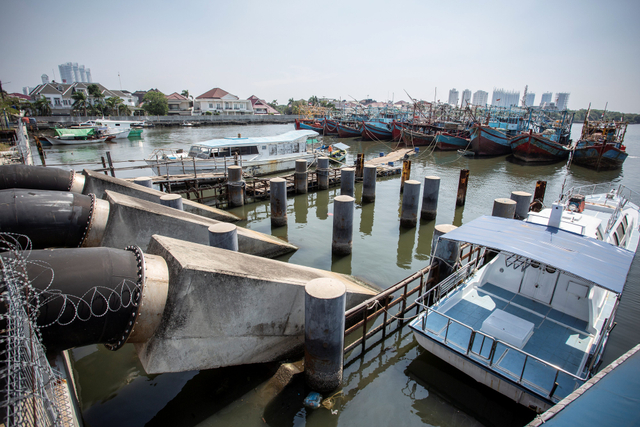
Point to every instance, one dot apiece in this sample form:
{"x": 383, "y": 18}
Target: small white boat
{"x": 257, "y": 155}
{"x": 76, "y": 136}
{"x": 530, "y": 317}
{"x": 120, "y": 128}
{"x": 66, "y": 141}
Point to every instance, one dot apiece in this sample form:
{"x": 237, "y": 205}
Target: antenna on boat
{"x": 119, "y": 80}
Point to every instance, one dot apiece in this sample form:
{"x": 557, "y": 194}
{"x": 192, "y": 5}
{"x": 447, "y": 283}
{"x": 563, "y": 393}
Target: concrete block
{"x": 227, "y": 308}
{"x": 97, "y": 183}
{"x": 133, "y": 221}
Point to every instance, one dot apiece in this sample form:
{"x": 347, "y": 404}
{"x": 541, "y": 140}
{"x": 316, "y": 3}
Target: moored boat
{"x": 349, "y": 129}
{"x": 415, "y": 138}
{"x": 310, "y": 124}
{"x": 70, "y": 136}
{"x": 488, "y": 141}
{"x": 532, "y": 322}
{"x": 257, "y": 155}
{"x": 537, "y": 148}
{"x": 601, "y": 145}
{"x": 376, "y": 130}
{"x": 449, "y": 142}
{"x": 330, "y": 127}
{"x": 120, "y": 128}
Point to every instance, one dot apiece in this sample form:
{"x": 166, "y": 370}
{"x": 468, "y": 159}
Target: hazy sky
{"x": 338, "y": 49}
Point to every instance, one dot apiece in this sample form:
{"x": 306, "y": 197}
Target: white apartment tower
{"x": 466, "y": 98}
{"x": 505, "y": 98}
{"x": 453, "y": 97}
{"x": 72, "y": 73}
{"x": 562, "y": 100}
{"x": 529, "y": 99}
{"x": 545, "y": 100}
{"x": 45, "y": 79}
{"x": 480, "y": 97}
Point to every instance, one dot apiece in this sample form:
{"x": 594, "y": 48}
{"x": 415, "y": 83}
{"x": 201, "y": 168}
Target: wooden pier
{"x": 212, "y": 188}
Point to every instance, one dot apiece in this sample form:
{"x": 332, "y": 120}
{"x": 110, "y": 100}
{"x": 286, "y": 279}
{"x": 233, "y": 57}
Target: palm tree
{"x": 113, "y": 105}
{"x": 185, "y": 93}
{"x": 96, "y": 95}
{"x": 43, "y": 107}
{"x": 79, "y": 101}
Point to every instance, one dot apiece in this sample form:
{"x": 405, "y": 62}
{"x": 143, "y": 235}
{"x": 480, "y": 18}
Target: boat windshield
{"x": 203, "y": 152}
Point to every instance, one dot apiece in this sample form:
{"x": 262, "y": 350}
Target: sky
{"x": 384, "y": 50}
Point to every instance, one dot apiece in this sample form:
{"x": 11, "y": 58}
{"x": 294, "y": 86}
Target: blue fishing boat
{"x": 377, "y": 130}
{"x": 492, "y": 138}
{"x": 448, "y": 142}
{"x": 530, "y": 316}
{"x": 547, "y": 140}
{"x": 316, "y": 125}
{"x": 601, "y": 145}
{"x": 349, "y": 129}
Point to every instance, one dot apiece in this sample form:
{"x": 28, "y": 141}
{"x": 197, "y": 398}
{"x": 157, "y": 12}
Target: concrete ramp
{"x": 97, "y": 183}
{"x": 133, "y": 221}
{"x": 227, "y": 308}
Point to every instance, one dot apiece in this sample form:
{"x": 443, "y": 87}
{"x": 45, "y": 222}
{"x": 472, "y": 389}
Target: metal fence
{"x": 34, "y": 394}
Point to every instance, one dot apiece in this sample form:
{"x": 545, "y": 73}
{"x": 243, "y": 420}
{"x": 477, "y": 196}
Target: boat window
{"x": 616, "y": 238}
{"x": 598, "y": 234}
{"x": 625, "y": 223}
{"x": 296, "y": 148}
{"x": 264, "y": 147}
{"x": 620, "y": 233}
{"x": 273, "y": 150}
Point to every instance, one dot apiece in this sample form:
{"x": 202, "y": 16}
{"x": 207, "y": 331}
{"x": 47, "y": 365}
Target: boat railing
{"x": 490, "y": 351}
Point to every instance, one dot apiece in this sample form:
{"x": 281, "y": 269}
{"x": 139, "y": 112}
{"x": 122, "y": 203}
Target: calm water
{"x": 396, "y": 382}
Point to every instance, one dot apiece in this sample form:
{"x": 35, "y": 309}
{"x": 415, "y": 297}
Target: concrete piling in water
{"x": 410, "y": 201}
{"x": 445, "y": 254}
{"x": 323, "y": 173}
{"x": 504, "y": 208}
{"x": 278, "y": 202}
{"x": 369, "y": 183}
{"x": 430, "y": 198}
{"x": 224, "y": 236}
{"x": 172, "y": 200}
{"x": 324, "y": 308}
{"x": 347, "y": 182}
{"x": 300, "y": 177}
{"x": 145, "y": 181}
{"x": 523, "y": 201}
{"x": 462, "y": 187}
{"x": 235, "y": 186}
{"x": 342, "y": 242}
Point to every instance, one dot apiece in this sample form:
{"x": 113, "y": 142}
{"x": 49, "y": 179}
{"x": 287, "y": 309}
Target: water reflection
{"x": 301, "y": 208}
{"x": 366, "y": 218}
{"x": 404, "y": 251}
{"x": 425, "y": 234}
{"x": 322, "y": 204}
{"x": 341, "y": 264}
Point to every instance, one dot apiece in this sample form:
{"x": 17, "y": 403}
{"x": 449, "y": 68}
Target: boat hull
{"x": 599, "y": 156}
{"x": 374, "y": 131}
{"x": 309, "y": 125}
{"x": 396, "y": 132}
{"x": 534, "y": 148}
{"x": 487, "y": 141}
{"x": 346, "y": 131}
{"x": 135, "y": 133}
{"x": 56, "y": 141}
{"x": 447, "y": 142}
{"x": 185, "y": 165}
{"x": 416, "y": 139}
{"x": 330, "y": 127}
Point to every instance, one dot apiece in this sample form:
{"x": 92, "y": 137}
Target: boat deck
{"x": 557, "y": 338}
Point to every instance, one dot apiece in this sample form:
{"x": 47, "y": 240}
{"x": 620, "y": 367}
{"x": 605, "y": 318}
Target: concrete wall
{"x": 227, "y": 308}
{"x": 175, "y": 120}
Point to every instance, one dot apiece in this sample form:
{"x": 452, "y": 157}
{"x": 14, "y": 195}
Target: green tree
{"x": 42, "y": 106}
{"x": 114, "y": 105}
{"x": 314, "y": 100}
{"x": 97, "y": 99}
{"x": 155, "y": 103}
{"x": 185, "y": 93}
{"x": 79, "y": 101}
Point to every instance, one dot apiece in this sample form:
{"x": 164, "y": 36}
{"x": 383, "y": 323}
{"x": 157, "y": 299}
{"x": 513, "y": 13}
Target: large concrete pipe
{"x": 96, "y": 295}
{"x": 54, "y": 218}
{"x": 40, "y": 178}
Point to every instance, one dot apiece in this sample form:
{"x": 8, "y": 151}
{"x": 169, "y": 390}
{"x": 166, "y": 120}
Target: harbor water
{"x": 396, "y": 382}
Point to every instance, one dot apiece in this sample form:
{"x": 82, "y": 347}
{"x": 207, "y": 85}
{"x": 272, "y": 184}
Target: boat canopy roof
{"x": 76, "y": 132}
{"x": 340, "y": 146}
{"x": 236, "y": 142}
{"x": 601, "y": 263}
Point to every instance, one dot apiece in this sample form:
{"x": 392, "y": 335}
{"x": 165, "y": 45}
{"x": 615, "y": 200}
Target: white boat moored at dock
{"x": 532, "y": 317}
{"x": 257, "y": 155}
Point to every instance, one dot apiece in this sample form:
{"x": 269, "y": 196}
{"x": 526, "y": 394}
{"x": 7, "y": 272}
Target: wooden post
{"x": 40, "y": 150}
{"x": 462, "y": 187}
{"x": 104, "y": 165}
{"x": 538, "y": 195}
{"x": 360, "y": 165}
{"x": 113, "y": 172}
{"x": 406, "y": 172}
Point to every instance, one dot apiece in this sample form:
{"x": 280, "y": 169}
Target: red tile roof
{"x": 177, "y": 97}
{"x": 215, "y": 93}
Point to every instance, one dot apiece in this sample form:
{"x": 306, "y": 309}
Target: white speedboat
{"x": 120, "y": 128}
{"x": 531, "y": 315}
{"x": 257, "y": 155}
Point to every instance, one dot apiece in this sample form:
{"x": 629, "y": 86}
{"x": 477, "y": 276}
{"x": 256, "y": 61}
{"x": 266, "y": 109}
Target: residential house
{"x": 59, "y": 95}
{"x": 218, "y": 101}
{"x": 179, "y": 105}
{"x": 260, "y": 106}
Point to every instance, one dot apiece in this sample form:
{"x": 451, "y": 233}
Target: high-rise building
{"x": 453, "y": 97}
{"x": 562, "y": 100}
{"x": 545, "y": 100}
{"x": 466, "y": 98}
{"x": 72, "y": 73}
{"x": 505, "y": 98}
{"x": 45, "y": 79}
{"x": 529, "y": 99}
{"x": 480, "y": 97}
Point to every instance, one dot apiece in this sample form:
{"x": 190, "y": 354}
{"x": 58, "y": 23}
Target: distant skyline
{"x": 344, "y": 50}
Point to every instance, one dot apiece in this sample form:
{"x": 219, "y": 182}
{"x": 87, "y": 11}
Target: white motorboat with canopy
{"x": 531, "y": 315}
{"x": 257, "y": 155}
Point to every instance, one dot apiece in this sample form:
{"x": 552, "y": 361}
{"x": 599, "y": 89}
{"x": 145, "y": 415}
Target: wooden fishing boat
{"x": 446, "y": 141}
{"x": 330, "y": 127}
{"x": 310, "y": 124}
{"x": 601, "y": 145}
{"x": 376, "y": 130}
{"x": 416, "y": 138}
{"x": 488, "y": 141}
{"x": 396, "y": 132}
{"x": 546, "y": 141}
{"x": 349, "y": 129}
